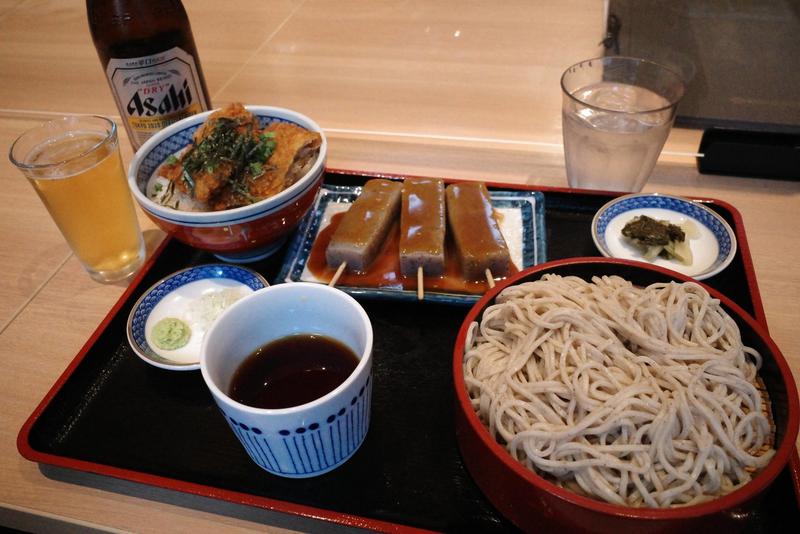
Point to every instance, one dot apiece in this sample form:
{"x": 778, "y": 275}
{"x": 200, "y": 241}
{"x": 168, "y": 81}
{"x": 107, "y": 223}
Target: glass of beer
{"x": 74, "y": 164}
{"x": 616, "y": 115}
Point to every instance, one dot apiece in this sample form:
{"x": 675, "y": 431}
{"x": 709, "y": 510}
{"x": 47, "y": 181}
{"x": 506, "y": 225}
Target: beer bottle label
{"x": 154, "y": 91}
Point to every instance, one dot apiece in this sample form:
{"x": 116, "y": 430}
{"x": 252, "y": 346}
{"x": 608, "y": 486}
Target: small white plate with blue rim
{"x": 195, "y": 297}
{"x": 713, "y": 247}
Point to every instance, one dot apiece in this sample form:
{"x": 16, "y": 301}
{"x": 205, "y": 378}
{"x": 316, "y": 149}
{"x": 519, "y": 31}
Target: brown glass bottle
{"x": 147, "y": 50}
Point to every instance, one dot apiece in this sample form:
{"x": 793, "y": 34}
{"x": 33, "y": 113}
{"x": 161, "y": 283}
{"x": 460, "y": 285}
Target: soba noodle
{"x": 636, "y": 396}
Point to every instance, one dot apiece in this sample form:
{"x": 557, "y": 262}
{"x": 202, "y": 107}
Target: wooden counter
{"x": 454, "y": 89}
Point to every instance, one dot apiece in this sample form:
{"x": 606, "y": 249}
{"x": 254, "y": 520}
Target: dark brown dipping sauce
{"x": 292, "y": 371}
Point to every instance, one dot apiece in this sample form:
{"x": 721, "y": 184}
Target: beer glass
{"x": 616, "y": 115}
{"x": 74, "y": 164}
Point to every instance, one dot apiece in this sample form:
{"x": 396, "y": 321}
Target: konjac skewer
{"x": 481, "y": 247}
{"x": 363, "y": 229}
{"x": 422, "y": 230}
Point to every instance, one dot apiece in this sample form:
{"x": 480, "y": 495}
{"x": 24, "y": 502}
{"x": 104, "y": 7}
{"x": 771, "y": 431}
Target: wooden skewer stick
{"x": 339, "y": 272}
{"x": 489, "y": 278}
{"x": 420, "y": 288}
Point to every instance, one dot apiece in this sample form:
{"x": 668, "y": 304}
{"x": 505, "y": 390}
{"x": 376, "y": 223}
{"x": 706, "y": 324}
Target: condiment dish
{"x": 187, "y": 301}
{"x": 713, "y": 247}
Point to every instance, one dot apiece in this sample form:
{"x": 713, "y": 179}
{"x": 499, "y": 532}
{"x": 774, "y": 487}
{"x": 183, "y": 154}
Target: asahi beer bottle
{"x": 151, "y": 62}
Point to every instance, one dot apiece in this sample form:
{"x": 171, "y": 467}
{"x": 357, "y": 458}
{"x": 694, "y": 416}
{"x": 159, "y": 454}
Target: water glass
{"x": 616, "y": 115}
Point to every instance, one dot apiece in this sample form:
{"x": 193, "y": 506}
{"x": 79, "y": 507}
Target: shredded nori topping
{"x": 246, "y": 152}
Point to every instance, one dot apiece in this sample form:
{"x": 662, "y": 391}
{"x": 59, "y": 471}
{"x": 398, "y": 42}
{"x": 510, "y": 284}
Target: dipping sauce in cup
{"x": 291, "y": 371}
{"x": 275, "y": 334}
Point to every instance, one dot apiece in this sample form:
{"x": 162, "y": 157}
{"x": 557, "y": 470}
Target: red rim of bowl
{"x": 746, "y": 492}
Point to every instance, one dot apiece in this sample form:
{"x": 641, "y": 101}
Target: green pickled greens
{"x": 654, "y": 238}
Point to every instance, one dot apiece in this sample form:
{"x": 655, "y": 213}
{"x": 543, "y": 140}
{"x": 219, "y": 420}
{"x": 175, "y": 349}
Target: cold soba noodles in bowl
{"x": 640, "y": 395}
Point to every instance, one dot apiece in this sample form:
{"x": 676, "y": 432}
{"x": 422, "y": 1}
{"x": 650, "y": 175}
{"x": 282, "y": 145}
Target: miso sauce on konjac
{"x": 291, "y": 371}
{"x": 385, "y": 270}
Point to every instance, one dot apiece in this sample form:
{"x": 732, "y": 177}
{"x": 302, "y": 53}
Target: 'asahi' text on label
{"x": 155, "y": 91}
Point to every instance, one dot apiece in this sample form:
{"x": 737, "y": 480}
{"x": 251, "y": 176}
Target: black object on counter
{"x": 756, "y": 154}
{"x": 739, "y": 58}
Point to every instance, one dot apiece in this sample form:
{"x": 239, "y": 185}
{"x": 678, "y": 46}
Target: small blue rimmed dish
{"x": 186, "y": 302}
{"x": 713, "y": 243}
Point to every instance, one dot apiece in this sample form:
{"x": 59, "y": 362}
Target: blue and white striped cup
{"x": 313, "y": 438}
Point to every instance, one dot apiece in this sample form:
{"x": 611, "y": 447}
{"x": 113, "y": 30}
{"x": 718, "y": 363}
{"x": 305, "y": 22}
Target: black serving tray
{"x": 111, "y": 413}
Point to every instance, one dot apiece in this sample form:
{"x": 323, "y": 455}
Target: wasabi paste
{"x": 171, "y": 333}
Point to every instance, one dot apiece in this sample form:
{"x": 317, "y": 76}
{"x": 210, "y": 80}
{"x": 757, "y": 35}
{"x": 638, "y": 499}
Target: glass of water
{"x": 616, "y": 115}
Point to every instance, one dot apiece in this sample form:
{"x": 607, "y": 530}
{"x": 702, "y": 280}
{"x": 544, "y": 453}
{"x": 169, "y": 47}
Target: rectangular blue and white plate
{"x": 521, "y": 222}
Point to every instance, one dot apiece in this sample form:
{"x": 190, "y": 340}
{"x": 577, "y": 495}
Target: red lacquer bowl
{"x": 535, "y": 504}
{"x": 244, "y": 234}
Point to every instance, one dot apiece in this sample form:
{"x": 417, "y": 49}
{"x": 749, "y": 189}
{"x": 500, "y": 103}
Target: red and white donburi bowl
{"x": 243, "y": 234}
